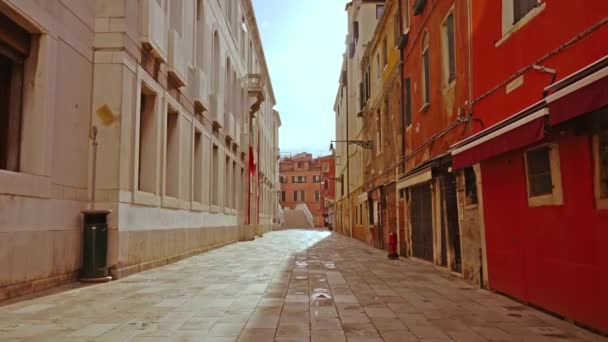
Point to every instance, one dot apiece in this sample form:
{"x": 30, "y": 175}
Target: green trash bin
{"x": 95, "y": 246}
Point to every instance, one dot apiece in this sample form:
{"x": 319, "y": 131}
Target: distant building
{"x": 303, "y": 180}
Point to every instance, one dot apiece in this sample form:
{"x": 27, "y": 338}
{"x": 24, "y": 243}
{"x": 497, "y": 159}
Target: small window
{"x": 295, "y": 196}
{"x": 325, "y": 167}
{"x": 426, "y": 78}
{"x": 521, "y": 8}
{"x": 379, "y": 11}
{"x": 408, "y": 102}
{"x": 13, "y": 52}
{"x": 317, "y": 196}
{"x": 470, "y": 186}
{"x": 449, "y": 59}
{"x": 316, "y": 179}
{"x": 302, "y": 196}
{"x": 539, "y": 172}
{"x": 543, "y": 176}
{"x": 294, "y": 179}
{"x": 384, "y": 53}
{"x": 356, "y": 31}
{"x": 601, "y": 166}
{"x": 405, "y": 19}
{"x": 282, "y": 196}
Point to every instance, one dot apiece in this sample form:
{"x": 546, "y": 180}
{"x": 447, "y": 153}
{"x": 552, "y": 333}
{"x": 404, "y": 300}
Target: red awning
{"x": 523, "y": 132}
{"x": 584, "y": 96}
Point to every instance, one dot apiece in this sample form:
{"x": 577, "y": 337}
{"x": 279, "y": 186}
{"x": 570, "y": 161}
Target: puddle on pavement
{"x": 330, "y": 266}
{"x": 301, "y": 264}
{"x": 301, "y": 277}
{"x": 320, "y": 294}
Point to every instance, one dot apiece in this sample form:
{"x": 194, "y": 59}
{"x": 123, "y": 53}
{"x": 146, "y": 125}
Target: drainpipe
{"x": 350, "y": 223}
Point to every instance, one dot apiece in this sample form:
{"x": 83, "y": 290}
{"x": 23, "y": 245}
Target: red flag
{"x": 251, "y": 161}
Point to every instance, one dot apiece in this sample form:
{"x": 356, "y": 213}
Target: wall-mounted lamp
{"x": 368, "y": 144}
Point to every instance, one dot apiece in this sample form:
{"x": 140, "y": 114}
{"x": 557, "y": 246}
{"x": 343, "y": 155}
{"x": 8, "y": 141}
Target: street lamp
{"x": 368, "y": 144}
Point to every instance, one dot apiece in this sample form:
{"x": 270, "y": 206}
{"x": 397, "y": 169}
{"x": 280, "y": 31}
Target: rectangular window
{"x": 172, "y": 154}
{"x": 356, "y": 31}
{"x": 543, "y": 176}
{"x": 426, "y": 91}
{"x": 408, "y": 102}
{"x": 11, "y": 88}
{"x": 449, "y": 62}
{"x": 384, "y": 53}
{"x": 215, "y": 176}
{"x": 282, "y": 196}
{"x": 198, "y": 167}
{"x": 302, "y": 196}
{"x": 294, "y": 179}
{"x": 521, "y": 8}
{"x": 325, "y": 167}
{"x": 470, "y": 185}
{"x": 316, "y": 179}
{"x": 601, "y": 165}
{"x": 539, "y": 172}
{"x": 317, "y": 196}
{"x": 235, "y": 186}
{"x": 405, "y": 19}
{"x": 379, "y": 11}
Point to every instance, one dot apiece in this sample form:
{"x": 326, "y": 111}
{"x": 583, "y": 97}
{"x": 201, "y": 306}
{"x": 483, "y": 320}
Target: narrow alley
{"x": 289, "y": 285}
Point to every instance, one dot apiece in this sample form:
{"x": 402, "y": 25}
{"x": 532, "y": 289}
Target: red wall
{"x": 553, "y": 256}
{"x": 559, "y": 22}
{"x": 445, "y": 104}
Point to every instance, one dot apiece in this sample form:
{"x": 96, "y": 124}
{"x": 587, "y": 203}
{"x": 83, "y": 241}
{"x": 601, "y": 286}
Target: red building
{"x": 303, "y": 180}
{"x": 540, "y": 104}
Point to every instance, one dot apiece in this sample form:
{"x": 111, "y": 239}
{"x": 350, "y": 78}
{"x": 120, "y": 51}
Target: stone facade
{"x": 180, "y": 97}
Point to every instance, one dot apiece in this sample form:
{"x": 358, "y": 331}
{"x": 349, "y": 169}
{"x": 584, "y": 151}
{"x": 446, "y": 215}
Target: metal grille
{"x": 422, "y": 222}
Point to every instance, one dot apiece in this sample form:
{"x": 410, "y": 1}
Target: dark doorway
{"x": 450, "y": 218}
{"x": 422, "y": 222}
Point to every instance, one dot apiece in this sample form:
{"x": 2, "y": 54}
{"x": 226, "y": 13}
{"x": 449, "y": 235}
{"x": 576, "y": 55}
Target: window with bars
{"x": 539, "y": 172}
{"x": 521, "y": 8}
{"x": 470, "y": 186}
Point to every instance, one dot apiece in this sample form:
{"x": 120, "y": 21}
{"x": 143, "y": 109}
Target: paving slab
{"x": 290, "y": 285}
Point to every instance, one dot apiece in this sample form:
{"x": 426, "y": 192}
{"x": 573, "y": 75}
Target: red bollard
{"x": 392, "y": 246}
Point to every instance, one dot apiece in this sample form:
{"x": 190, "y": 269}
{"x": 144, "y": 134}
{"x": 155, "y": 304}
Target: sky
{"x": 303, "y": 43}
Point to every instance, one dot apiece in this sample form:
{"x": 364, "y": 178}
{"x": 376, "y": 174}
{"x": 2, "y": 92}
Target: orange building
{"x": 302, "y": 182}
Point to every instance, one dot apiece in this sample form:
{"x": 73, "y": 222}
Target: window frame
{"x": 426, "y": 75}
{"x": 467, "y": 204}
{"x": 555, "y": 198}
{"x": 379, "y": 10}
{"x": 600, "y": 202}
{"x": 445, "y": 50}
{"x": 508, "y": 15}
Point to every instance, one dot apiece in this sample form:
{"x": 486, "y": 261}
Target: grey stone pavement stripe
{"x": 290, "y": 285}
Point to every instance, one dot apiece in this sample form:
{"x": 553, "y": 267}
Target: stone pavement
{"x": 295, "y": 285}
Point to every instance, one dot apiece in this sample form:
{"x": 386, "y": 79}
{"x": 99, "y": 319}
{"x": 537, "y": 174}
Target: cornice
{"x": 257, "y": 42}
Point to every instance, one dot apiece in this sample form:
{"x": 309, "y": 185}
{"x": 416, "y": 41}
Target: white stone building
{"x": 180, "y": 96}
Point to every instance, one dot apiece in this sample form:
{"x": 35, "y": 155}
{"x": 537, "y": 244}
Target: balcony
{"x": 178, "y": 71}
{"x": 216, "y": 110}
{"x": 237, "y": 132}
{"x": 255, "y": 89}
{"x": 154, "y": 28}
{"x": 201, "y": 90}
{"x": 229, "y": 129}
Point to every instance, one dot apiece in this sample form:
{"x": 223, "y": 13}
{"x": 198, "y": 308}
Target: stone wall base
{"x": 33, "y": 286}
